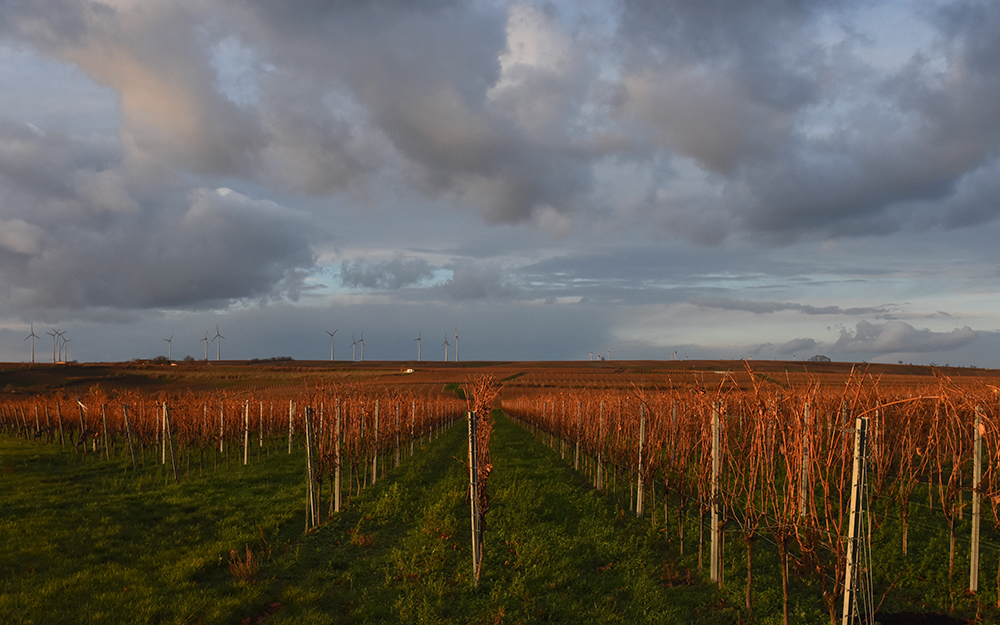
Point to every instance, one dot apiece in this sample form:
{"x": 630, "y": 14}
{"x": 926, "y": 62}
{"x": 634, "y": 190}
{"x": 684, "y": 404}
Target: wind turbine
{"x": 65, "y": 348}
{"x": 54, "y": 333}
{"x": 331, "y": 343}
{"x": 32, "y": 336}
{"x": 456, "y": 343}
{"x": 361, "y": 342}
{"x": 446, "y": 344}
{"x": 169, "y": 345}
{"x": 206, "y": 345}
{"x": 218, "y": 346}
{"x": 418, "y": 344}
{"x": 354, "y": 349}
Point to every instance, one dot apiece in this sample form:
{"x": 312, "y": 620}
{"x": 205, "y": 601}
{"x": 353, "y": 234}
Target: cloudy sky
{"x": 767, "y": 179}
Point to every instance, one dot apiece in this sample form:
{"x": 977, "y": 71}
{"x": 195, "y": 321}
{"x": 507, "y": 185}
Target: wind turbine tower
{"x": 170, "y": 356}
{"x": 418, "y": 344}
{"x": 65, "y": 348}
{"x": 32, "y": 336}
{"x": 446, "y": 344}
{"x": 206, "y": 345}
{"x": 55, "y": 334}
{"x": 218, "y": 346}
{"x": 361, "y": 342}
{"x": 354, "y": 349}
{"x": 456, "y": 343}
{"x": 331, "y": 343}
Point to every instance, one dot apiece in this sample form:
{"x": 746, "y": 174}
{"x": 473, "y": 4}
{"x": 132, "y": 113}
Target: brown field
{"x": 430, "y": 377}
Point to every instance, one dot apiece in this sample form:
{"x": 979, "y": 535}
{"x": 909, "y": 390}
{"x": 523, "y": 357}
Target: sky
{"x": 565, "y": 180}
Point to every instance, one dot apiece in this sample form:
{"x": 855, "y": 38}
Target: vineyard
{"x": 742, "y": 477}
{"x": 352, "y": 435}
{"x": 786, "y": 458}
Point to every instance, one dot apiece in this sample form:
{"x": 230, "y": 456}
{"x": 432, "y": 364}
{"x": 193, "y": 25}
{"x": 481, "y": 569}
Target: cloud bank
{"x": 221, "y": 148}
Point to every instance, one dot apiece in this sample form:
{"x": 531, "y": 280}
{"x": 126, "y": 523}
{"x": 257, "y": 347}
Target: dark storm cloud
{"x": 720, "y": 81}
{"x": 712, "y": 120}
{"x": 343, "y": 91}
{"x": 76, "y": 234}
{"x": 427, "y": 79}
{"x": 224, "y": 247}
{"x": 53, "y": 165}
{"x": 157, "y": 60}
{"x": 809, "y": 138}
{"x": 773, "y": 98}
{"x": 391, "y": 275}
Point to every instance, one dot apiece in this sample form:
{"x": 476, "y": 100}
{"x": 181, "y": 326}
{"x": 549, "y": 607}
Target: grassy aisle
{"x": 558, "y": 551}
{"x": 555, "y": 551}
{"x": 83, "y": 541}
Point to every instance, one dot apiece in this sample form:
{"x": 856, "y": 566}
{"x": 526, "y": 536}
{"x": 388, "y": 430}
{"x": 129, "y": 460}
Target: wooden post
{"x": 640, "y": 486}
{"x": 716, "y": 452}
{"x": 337, "y": 468}
{"x": 104, "y": 416}
{"x": 169, "y": 437}
{"x": 576, "y": 458}
{"x": 163, "y": 435}
{"x": 375, "y": 447}
{"x": 854, "y": 521}
{"x": 62, "y": 437}
{"x": 291, "y": 424}
{"x": 83, "y": 425}
{"x": 977, "y": 513}
{"x": 222, "y": 426}
{"x": 312, "y": 506}
{"x": 128, "y": 434}
{"x": 804, "y": 473}
{"x": 246, "y": 432}
{"x": 474, "y": 496}
{"x": 600, "y": 448}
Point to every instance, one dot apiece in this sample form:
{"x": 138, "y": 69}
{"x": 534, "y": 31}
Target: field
{"x": 180, "y": 494}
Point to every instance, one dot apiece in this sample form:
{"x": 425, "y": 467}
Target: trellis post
{"x": 715, "y": 570}
{"x": 977, "y": 513}
{"x": 854, "y": 521}
{"x": 640, "y": 486}
{"x": 474, "y": 496}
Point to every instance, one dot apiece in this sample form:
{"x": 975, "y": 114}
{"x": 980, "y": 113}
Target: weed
{"x": 243, "y": 569}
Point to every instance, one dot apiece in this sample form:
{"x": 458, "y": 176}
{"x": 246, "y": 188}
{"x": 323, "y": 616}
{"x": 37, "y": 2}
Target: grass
{"x": 555, "y": 551}
{"x": 84, "y": 541}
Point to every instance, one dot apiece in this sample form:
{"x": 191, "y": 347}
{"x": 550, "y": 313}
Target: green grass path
{"x": 85, "y": 541}
{"x": 555, "y": 550}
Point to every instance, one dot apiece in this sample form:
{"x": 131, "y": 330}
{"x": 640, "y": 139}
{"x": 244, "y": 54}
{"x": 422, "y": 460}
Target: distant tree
{"x": 188, "y": 358}
{"x": 160, "y": 360}
{"x": 819, "y": 358}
